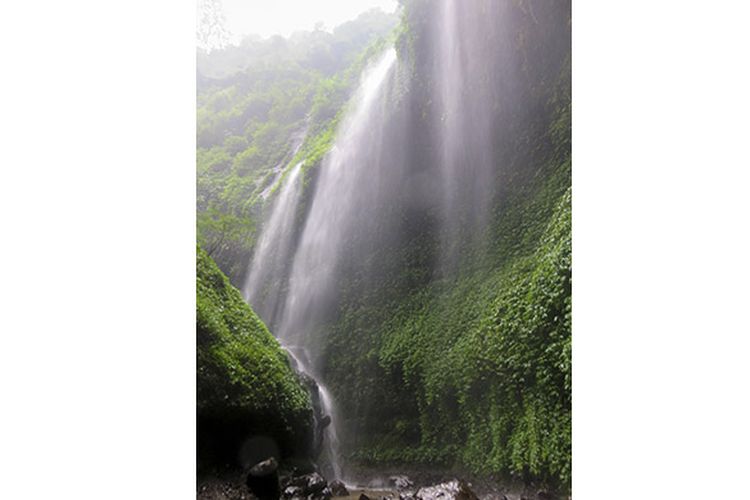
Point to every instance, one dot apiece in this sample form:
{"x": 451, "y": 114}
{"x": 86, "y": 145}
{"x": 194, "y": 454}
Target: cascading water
{"x": 339, "y": 193}
{"x": 315, "y": 257}
{"x": 466, "y": 104}
{"x": 275, "y": 249}
{"x": 327, "y": 408}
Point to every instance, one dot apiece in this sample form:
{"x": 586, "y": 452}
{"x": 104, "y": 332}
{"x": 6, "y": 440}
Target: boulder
{"x": 263, "y": 480}
{"x": 338, "y": 489}
{"x": 325, "y": 421}
{"x": 451, "y": 490}
{"x": 324, "y": 494}
{"x": 299, "y": 467}
{"x": 293, "y": 492}
{"x": 309, "y": 484}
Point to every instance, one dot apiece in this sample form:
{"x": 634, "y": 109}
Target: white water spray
{"x": 343, "y": 184}
{"x": 316, "y": 256}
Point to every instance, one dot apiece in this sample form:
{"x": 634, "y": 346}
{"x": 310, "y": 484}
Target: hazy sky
{"x": 269, "y": 17}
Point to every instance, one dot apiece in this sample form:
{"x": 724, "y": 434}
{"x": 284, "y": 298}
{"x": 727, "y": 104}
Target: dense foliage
{"x": 246, "y": 385}
{"x": 260, "y": 103}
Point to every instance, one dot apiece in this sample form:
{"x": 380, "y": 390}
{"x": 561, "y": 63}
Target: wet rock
{"x": 401, "y": 482}
{"x": 452, "y": 490}
{"x": 293, "y": 492}
{"x": 263, "y": 480}
{"x": 298, "y": 467}
{"x": 325, "y": 494}
{"x": 265, "y": 467}
{"x": 309, "y": 484}
{"x": 338, "y": 489}
{"x": 404, "y": 486}
{"x": 325, "y": 421}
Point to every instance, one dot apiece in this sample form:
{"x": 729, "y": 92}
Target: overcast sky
{"x": 283, "y": 17}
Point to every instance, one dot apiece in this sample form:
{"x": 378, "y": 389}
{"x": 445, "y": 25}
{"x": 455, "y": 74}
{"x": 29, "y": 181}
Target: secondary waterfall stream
{"x": 290, "y": 298}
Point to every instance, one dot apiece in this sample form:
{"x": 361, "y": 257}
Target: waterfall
{"x": 291, "y": 300}
{"x": 330, "y": 441}
{"x": 465, "y": 107}
{"x": 264, "y": 282}
{"x": 409, "y": 163}
{"x": 344, "y": 184}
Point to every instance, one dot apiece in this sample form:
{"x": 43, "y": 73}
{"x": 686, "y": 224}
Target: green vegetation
{"x": 245, "y": 382}
{"x": 472, "y": 371}
{"x": 258, "y": 103}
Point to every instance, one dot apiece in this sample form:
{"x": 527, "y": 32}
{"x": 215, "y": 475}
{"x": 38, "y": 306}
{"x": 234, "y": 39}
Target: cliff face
{"x": 247, "y": 390}
{"x": 428, "y": 268}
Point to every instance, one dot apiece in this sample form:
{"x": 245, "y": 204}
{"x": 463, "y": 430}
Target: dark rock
{"x": 300, "y": 467}
{"x": 452, "y": 490}
{"x": 324, "y": 422}
{"x": 363, "y": 497}
{"x": 338, "y": 489}
{"x": 265, "y": 467}
{"x": 310, "y": 484}
{"x": 263, "y": 480}
{"x": 544, "y": 495}
{"x": 324, "y": 494}
{"x": 293, "y": 492}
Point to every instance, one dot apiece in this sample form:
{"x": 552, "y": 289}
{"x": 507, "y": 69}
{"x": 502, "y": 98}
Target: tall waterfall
{"x": 291, "y": 301}
{"x": 344, "y": 184}
{"x": 406, "y": 189}
{"x": 466, "y": 105}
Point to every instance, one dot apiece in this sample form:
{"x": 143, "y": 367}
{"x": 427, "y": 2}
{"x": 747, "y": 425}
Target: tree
{"x": 211, "y": 31}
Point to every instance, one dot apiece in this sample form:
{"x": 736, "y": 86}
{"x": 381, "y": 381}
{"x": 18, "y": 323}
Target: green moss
{"x": 243, "y": 374}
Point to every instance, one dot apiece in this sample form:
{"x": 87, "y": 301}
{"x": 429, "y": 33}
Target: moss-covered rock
{"x": 250, "y": 400}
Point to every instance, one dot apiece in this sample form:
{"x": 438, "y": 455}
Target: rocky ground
{"x": 264, "y": 482}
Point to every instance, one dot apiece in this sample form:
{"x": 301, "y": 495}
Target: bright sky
{"x": 283, "y": 17}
